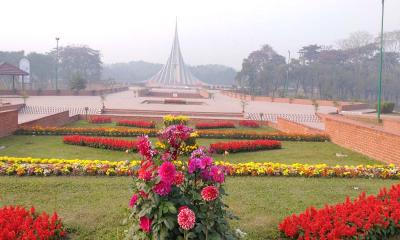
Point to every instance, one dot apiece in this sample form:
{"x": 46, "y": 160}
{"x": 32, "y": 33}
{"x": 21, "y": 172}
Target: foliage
{"x": 132, "y": 132}
{"x": 172, "y": 204}
{"x": 18, "y": 223}
{"x": 372, "y": 217}
{"x": 244, "y": 146}
{"x": 218, "y": 124}
{"x": 249, "y": 123}
{"x": 105, "y": 143}
{"x": 77, "y": 82}
{"x": 139, "y": 124}
{"x": 99, "y": 119}
{"x": 175, "y": 120}
{"x": 386, "y": 107}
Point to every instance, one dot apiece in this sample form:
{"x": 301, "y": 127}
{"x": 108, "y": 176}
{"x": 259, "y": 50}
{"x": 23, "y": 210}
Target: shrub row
{"x": 244, "y": 146}
{"x": 139, "y": 124}
{"x": 372, "y": 217}
{"x": 126, "y": 132}
{"x": 249, "y": 123}
{"x": 104, "y": 143}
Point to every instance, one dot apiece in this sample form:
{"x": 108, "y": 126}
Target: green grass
{"x": 291, "y": 152}
{"x": 159, "y": 125}
{"x": 93, "y": 207}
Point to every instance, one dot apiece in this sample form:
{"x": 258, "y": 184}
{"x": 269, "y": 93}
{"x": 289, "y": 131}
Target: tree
{"x": 42, "y": 68}
{"x": 77, "y": 82}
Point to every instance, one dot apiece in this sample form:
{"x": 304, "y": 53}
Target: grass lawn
{"x": 292, "y": 152}
{"x": 93, "y": 207}
{"x": 159, "y": 125}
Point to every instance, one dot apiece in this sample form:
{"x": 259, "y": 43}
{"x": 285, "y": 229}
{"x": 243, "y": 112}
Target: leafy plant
{"x": 386, "y": 107}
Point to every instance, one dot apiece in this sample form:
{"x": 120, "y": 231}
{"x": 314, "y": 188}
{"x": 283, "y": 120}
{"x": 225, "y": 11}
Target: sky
{"x": 210, "y": 31}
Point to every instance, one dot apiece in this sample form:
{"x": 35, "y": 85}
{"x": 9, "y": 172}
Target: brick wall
{"x": 391, "y": 124}
{"x": 8, "y": 122}
{"x": 373, "y": 141}
{"x": 64, "y": 92}
{"x": 11, "y": 107}
{"x": 54, "y": 120}
{"x": 287, "y": 126}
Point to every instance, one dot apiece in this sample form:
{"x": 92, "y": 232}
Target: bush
{"x": 244, "y": 146}
{"x": 210, "y": 125}
{"x": 249, "y": 123}
{"x": 139, "y": 124}
{"x": 98, "y": 120}
{"x": 18, "y": 223}
{"x": 373, "y": 217}
{"x": 386, "y": 107}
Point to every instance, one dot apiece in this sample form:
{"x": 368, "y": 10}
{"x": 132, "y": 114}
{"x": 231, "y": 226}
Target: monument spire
{"x": 174, "y": 72}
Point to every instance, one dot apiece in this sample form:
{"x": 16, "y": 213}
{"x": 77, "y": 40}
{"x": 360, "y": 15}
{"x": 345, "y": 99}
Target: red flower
{"x": 220, "y": 124}
{"x": 179, "y": 178}
{"x": 105, "y": 143}
{"x": 167, "y": 172}
{"x": 249, "y": 123}
{"x": 146, "y": 170}
{"x": 186, "y": 219}
{"x": 162, "y": 188}
{"x": 181, "y": 208}
{"x": 133, "y": 200}
{"x": 209, "y": 193}
{"x": 99, "y": 119}
{"x": 244, "y": 146}
{"x": 145, "y": 224}
{"x": 140, "y": 124}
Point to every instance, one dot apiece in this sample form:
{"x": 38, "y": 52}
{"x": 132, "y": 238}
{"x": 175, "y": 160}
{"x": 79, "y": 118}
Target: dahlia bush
{"x": 177, "y": 203}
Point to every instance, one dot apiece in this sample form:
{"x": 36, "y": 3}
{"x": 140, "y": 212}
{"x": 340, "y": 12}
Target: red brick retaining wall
{"x": 64, "y": 92}
{"x": 8, "y": 122}
{"x": 287, "y": 126}
{"x": 373, "y": 141}
{"x": 54, "y": 120}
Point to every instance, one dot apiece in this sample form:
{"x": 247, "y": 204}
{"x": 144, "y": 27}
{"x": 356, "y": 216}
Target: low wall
{"x": 8, "y": 122}
{"x": 342, "y": 105}
{"x": 373, "y": 141}
{"x": 287, "y": 126}
{"x": 204, "y": 93}
{"x": 163, "y": 112}
{"x": 54, "y": 120}
{"x": 391, "y": 124}
{"x": 64, "y": 92}
{"x": 11, "y": 107}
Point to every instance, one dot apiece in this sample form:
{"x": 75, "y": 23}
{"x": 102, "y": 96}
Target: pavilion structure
{"x": 7, "y": 69}
{"x": 174, "y": 73}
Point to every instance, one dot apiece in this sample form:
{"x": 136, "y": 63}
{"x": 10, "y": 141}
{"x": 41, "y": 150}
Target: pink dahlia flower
{"x": 186, "y": 219}
{"x": 133, "y": 200}
{"x": 209, "y": 193}
{"x": 145, "y": 224}
{"x": 179, "y": 178}
{"x": 217, "y": 174}
{"x": 167, "y": 172}
{"x": 162, "y": 188}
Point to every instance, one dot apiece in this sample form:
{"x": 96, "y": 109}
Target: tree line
{"x": 348, "y": 71}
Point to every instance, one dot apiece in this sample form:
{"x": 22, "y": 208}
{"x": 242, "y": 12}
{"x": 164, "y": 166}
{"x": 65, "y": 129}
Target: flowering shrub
{"x": 139, "y": 124}
{"x": 18, "y": 223}
{"x": 99, "y": 119}
{"x": 133, "y": 132}
{"x": 175, "y": 120}
{"x": 244, "y": 146}
{"x": 105, "y": 143}
{"x": 219, "y": 124}
{"x": 21, "y": 166}
{"x": 172, "y": 201}
{"x": 372, "y": 217}
{"x": 249, "y": 123}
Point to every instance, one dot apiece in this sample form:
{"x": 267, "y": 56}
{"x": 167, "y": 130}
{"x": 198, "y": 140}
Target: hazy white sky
{"x": 211, "y": 31}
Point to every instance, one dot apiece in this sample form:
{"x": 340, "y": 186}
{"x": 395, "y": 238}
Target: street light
{"x": 57, "y": 39}
{"x": 286, "y": 85}
{"x": 380, "y": 66}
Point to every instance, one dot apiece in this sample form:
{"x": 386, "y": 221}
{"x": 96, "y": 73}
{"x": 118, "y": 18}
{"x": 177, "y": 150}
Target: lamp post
{"x": 380, "y": 66}
{"x": 286, "y": 86}
{"x": 57, "y": 39}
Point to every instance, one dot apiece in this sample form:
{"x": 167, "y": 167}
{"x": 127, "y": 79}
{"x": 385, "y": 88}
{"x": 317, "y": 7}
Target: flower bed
{"x": 169, "y": 120}
{"x": 244, "y": 146}
{"x": 53, "y": 167}
{"x": 211, "y": 125}
{"x": 18, "y": 223}
{"x": 139, "y": 124}
{"x": 249, "y": 123}
{"x": 104, "y": 143}
{"x": 99, "y": 119}
{"x": 372, "y": 217}
{"x": 238, "y": 134}
{"x": 117, "y": 132}
{"x": 174, "y": 101}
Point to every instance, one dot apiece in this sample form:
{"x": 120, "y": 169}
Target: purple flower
{"x": 217, "y": 174}
{"x": 192, "y": 165}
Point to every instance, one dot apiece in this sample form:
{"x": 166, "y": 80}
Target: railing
{"x": 272, "y": 117}
{"x": 50, "y": 110}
